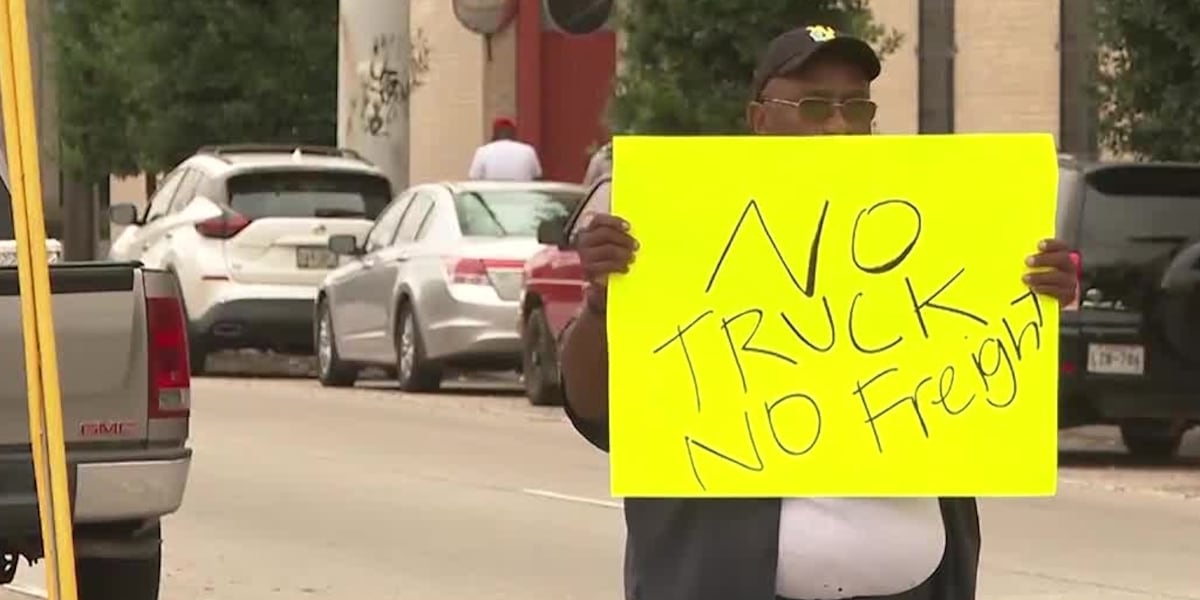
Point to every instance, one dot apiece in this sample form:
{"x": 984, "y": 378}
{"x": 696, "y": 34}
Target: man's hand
{"x": 1056, "y": 275}
{"x": 605, "y": 247}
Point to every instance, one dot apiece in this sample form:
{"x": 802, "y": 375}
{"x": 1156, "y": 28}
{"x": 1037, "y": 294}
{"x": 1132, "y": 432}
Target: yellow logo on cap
{"x": 821, "y": 33}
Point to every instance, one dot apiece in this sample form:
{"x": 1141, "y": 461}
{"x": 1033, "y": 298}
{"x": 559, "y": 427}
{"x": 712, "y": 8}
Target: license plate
{"x": 315, "y": 258}
{"x": 1116, "y": 359}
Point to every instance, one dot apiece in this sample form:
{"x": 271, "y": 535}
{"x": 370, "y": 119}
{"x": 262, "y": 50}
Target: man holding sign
{"x": 810, "y": 81}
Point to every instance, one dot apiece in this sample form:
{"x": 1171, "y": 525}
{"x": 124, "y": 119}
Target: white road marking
{"x": 570, "y": 498}
{"x": 27, "y": 590}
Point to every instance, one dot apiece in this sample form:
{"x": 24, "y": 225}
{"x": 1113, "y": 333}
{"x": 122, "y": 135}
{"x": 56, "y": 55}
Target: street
{"x": 302, "y": 492}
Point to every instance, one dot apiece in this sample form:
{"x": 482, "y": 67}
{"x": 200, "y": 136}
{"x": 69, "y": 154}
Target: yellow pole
{"x": 37, "y": 321}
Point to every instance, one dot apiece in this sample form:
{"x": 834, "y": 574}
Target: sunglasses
{"x": 819, "y": 110}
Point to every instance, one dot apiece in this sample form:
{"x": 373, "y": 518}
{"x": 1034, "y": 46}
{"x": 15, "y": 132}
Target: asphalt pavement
{"x": 303, "y": 492}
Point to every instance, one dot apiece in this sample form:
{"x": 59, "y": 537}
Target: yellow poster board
{"x": 838, "y": 316}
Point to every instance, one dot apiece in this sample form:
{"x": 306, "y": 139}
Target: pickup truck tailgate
{"x": 101, "y": 333}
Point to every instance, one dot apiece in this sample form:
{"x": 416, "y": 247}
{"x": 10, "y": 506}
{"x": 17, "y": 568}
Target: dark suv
{"x": 1130, "y": 352}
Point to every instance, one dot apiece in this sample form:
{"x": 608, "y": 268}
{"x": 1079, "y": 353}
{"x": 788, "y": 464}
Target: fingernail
{"x": 1042, "y": 245}
{"x": 1026, "y": 278}
{"x": 1029, "y": 261}
{"x": 625, "y": 225}
{"x": 636, "y": 245}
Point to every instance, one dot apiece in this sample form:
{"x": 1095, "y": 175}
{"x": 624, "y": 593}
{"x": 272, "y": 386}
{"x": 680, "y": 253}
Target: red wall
{"x": 563, "y": 85}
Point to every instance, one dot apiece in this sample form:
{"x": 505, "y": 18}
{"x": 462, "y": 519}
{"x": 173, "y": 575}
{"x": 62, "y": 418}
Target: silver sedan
{"x": 436, "y": 282}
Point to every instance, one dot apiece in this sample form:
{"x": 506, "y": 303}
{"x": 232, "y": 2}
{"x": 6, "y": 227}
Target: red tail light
{"x": 474, "y": 271}
{"x": 223, "y": 227}
{"x": 170, "y": 374}
{"x": 1078, "y": 260}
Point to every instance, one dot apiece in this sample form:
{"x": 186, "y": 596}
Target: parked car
{"x": 554, "y": 283}
{"x": 246, "y": 230}
{"x": 122, "y": 356}
{"x": 1130, "y": 351}
{"x": 436, "y": 282}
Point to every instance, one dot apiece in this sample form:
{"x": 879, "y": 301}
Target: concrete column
{"x": 374, "y": 61}
{"x": 448, "y": 107}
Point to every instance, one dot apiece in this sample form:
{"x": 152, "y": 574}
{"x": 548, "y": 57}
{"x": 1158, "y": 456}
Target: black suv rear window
{"x": 309, "y": 194}
{"x": 1133, "y": 214}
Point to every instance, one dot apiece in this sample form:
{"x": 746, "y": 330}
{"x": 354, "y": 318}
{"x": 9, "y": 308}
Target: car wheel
{"x": 197, "y": 356}
{"x": 127, "y": 579}
{"x": 414, "y": 371}
{"x": 1159, "y": 440}
{"x": 539, "y": 362}
{"x": 331, "y": 370}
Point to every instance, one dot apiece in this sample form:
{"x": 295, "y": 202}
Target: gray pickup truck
{"x": 123, "y": 363}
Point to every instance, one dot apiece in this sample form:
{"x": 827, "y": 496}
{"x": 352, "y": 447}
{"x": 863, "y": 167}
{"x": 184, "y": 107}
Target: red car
{"x": 552, "y": 294}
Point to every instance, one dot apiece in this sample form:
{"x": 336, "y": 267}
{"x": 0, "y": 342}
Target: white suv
{"x": 245, "y": 229}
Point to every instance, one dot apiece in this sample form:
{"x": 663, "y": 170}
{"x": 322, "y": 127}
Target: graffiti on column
{"x": 386, "y": 83}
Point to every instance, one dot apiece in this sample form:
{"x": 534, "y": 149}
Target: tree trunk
{"x": 79, "y": 220}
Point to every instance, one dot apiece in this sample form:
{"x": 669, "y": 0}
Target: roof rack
{"x": 222, "y": 149}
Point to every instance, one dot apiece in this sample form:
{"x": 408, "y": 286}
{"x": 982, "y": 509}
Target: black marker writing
{"x": 1018, "y": 342}
{"x": 920, "y": 307}
{"x": 874, "y": 416}
{"x": 903, "y": 254}
{"x": 679, "y": 331}
{"x": 806, "y": 401}
{"x": 746, "y": 347}
{"x": 693, "y": 444}
{"x": 803, "y": 338}
{"x": 854, "y": 337}
{"x": 810, "y": 285}
{"x": 986, "y": 373}
{"x": 944, "y": 389}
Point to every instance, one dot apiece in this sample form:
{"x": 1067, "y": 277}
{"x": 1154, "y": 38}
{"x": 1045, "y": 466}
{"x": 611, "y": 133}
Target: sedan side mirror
{"x": 552, "y": 232}
{"x": 124, "y": 214}
{"x": 345, "y": 244}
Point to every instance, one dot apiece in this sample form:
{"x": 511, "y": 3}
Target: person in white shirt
{"x": 504, "y": 158}
{"x": 810, "y": 81}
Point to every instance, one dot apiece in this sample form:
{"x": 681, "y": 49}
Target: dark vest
{"x": 727, "y": 549}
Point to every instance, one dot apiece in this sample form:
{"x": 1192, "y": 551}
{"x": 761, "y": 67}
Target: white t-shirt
{"x": 505, "y": 160}
{"x": 832, "y": 548}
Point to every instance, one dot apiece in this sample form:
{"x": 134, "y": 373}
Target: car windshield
{"x": 511, "y": 213}
{"x": 309, "y": 194}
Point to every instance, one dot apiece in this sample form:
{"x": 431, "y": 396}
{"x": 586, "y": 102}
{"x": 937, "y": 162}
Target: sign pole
{"x": 37, "y": 321}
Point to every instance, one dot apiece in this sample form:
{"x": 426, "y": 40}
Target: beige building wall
{"x": 445, "y": 122}
{"x": 896, "y": 88}
{"x": 1007, "y": 66}
{"x": 500, "y": 78}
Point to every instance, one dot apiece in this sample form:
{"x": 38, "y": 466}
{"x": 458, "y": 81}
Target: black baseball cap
{"x": 792, "y": 49}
